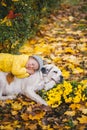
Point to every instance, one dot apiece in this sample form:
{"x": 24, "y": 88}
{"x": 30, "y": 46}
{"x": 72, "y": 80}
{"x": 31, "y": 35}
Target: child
{"x": 20, "y": 65}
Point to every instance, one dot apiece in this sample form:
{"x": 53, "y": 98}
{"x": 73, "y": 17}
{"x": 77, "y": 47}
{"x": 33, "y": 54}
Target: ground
{"x": 62, "y": 40}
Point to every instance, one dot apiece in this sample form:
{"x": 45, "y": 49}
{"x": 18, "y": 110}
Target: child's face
{"x": 32, "y": 65}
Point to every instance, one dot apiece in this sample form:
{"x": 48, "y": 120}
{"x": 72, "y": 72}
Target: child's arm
{"x": 18, "y": 67}
{"x": 20, "y": 72}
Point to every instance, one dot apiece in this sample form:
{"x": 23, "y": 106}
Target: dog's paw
{"x": 44, "y": 103}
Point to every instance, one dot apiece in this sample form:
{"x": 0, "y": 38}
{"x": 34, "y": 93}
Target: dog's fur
{"x": 45, "y": 79}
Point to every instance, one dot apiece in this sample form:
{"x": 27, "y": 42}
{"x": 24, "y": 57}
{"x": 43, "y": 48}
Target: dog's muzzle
{"x": 59, "y": 81}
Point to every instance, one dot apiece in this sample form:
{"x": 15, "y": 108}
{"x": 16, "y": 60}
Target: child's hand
{"x": 30, "y": 71}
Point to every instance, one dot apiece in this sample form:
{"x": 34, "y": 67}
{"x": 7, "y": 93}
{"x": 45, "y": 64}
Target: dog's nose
{"x": 61, "y": 78}
{"x": 43, "y": 70}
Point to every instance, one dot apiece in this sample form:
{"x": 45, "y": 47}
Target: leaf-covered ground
{"x": 62, "y": 40}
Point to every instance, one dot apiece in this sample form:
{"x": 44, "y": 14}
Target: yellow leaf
{"x": 3, "y": 3}
{"x": 70, "y": 113}
{"x": 4, "y": 20}
{"x": 26, "y": 50}
{"x": 84, "y": 111}
{"x": 66, "y": 74}
{"x": 78, "y": 70}
{"x": 64, "y": 44}
{"x": 32, "y": 42}
{"x": 83, "y": 39}
{"x": 59, "y": 50}
{"x": 25, "y": 116}
{"x": 86, "y": 104}
{"x": 71, "y": 18}
{"x": 83, "y": 119}
{"x": 31, "y": 126}
{"x": 56, "y": 59}
{"x": 69, "y": 39}
{"x": 15, "y": 0}
{"x": 42, "y": 49}
{"x": 81, "y": 127}
{"x": 75, "y": 122}
{"x": 82, "y": 47}
{"x": 48, "y": 61}
{"x": 75, "y": 106}
{"x": 9, "y": 23}
{"x": 64, "y": 19}
{"x": 24, "y": 103}
{"x": 16, "y": 124}
{"x": 14, "y": 112}
{"x": 7, "y": 127}
{"x": 37, "y": 116}
{"x": 9, "y": 101}
{"x": 72, "y": 59}
{"x": 69, "y": 50}
{"x": 50, "y": 39}
{"x": 16, "y": 106}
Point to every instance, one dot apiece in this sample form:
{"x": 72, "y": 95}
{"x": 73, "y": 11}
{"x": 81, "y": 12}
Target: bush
{"x": 19, "y": 20}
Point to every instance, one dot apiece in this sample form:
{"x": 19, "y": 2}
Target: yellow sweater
{"x": 14, "y": 64}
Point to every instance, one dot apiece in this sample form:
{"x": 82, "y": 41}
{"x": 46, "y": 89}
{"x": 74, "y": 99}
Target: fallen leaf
{"x": 66, "y": 74}
{"x": 78, "y": 70}
{"x": 84, "y": 111}
{"x": 25, "y": 116}
{"x": 16, "y": 106}
{"x": 14, "y": 112}
{"x": 70, "y": 113}
{"x": 74, "y": 106}
{"x": 37, "y": 116}
{"x": 83, "y": 119}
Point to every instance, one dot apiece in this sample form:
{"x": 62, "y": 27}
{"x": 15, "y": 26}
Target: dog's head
{"x": 52, "y": 75}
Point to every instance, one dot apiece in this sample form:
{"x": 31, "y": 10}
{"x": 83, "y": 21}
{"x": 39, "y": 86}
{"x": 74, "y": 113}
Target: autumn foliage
{"x": 19, "y": 20}
{"x": 62, "y": 40}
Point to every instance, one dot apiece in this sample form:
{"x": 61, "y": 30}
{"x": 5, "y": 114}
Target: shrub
{"x": 19, "y": 20}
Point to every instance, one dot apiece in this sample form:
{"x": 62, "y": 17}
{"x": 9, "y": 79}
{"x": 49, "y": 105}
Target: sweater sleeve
{"x": 18, "y": 67}
{"x": 22, "y": 76}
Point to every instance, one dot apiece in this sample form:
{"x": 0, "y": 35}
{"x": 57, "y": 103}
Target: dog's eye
{"x": 55, "y": 72}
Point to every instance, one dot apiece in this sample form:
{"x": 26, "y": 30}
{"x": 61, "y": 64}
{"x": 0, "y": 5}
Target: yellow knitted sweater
{"x": 14, "y": 64}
